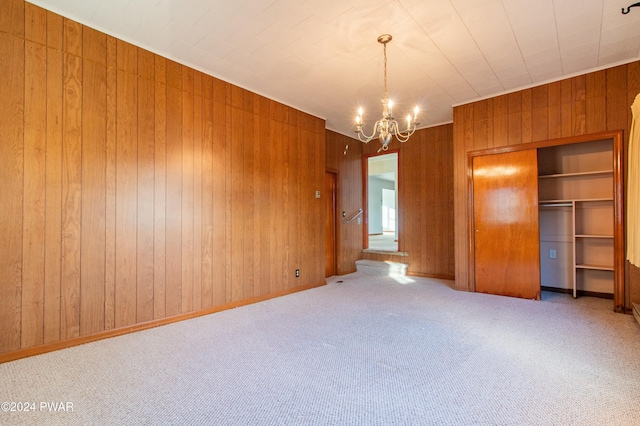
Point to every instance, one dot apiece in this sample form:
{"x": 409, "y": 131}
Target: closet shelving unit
{"x": 576, "y": 184}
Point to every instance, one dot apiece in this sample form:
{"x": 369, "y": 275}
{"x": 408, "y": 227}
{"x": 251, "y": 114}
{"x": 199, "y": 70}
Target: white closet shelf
{"x": 577, "y": 174}
{"x": 576, "y": 200}
{"x": 595, "y": 267}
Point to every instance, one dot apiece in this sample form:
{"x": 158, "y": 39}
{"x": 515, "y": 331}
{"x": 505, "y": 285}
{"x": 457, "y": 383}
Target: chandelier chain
{"x": 386, "y": 95}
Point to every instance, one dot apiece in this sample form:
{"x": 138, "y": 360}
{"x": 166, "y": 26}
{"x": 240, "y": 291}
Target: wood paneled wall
{"x": 590, "y": 103}
{"x": 135, "y": 189}
{"x": 425, "y": 200}
{"x": 350, "y": 199}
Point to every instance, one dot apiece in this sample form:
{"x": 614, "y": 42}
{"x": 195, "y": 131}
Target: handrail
{"x": 353, "y": 217}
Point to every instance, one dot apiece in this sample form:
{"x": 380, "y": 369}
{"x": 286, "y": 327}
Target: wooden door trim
{"x": 336, "y": 217}
{"x": 365, "y": 194}
{"x": 618, "y": 202}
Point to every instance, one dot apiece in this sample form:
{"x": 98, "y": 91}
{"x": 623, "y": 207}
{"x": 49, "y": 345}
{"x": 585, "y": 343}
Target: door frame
{"x": 365, "y": 194}
{"x": 618, "y": 203}
{"x": 336, "y": 219}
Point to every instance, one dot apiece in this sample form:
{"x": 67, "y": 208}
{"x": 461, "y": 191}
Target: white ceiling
{"x": 322, "y": 57}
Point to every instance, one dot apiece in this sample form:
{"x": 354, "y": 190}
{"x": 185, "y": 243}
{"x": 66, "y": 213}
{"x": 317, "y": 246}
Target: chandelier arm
{"x": 404, "y": 136}
{"x": 363, "y": 138}
{"x": 368, "y": 139}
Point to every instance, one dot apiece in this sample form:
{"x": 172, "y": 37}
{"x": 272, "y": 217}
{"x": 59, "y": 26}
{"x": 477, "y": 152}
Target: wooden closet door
{"x": 505, "y": 217}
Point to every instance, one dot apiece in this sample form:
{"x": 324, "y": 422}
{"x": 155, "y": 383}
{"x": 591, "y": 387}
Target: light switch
{"x": 317, "y": 194}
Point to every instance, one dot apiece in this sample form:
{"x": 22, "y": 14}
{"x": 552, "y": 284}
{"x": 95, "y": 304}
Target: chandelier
{"x": 387, "y": 127}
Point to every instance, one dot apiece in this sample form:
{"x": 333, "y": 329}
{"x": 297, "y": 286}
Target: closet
{"x": 575, "y": 187}
{"x": 578, "y": 220}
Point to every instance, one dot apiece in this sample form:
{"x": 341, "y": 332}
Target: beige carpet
{"x": 383, "y": 242}
{"x": 366, "y": 351}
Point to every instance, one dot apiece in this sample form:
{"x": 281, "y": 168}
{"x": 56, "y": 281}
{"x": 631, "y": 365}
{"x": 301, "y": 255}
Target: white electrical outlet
{"x": 552, "y": 254}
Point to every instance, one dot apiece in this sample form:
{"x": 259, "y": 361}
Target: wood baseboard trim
{"x": 436, "y": 276}
{"x": 579, "y": 292}
{"x": 76, "y": 341}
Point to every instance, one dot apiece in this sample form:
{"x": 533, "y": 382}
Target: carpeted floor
{"x": 364, "y": 351}
{"x": 383, "y": 242}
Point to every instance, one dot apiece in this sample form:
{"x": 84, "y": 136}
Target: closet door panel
{"x": 506, "y": 229}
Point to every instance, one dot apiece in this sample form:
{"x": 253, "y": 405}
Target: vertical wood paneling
{"x": 554, "y": 112}
{"x": 160, "y": 189}
{"x": 284, "y": 232}
{"x": 187, "y": 189}
{"x": 53, "y": 173}
{"x": 94, "y": 132}
{"x": 11, "y": 175}
{"x": 256, "y": 241}
{"x": 410, "y": 202}
{"x": 448, "y": 255}
{"x": 527, "y": 131}
{"x": 349, "y": 200}
{"x": 539, "y": 113}
{"x": 248, "y": 213}
{"x": 12, "y": 17}
{"x": 237, "y": 200}
{"x": 35, "y": 24}
{"x": 274, "y": 191}
{"x": 228, "y": 196}
{"x": 515, "y": 118}
{"x": 566, "y": 104}
{"x": 71, "y": 179}
{"x": 425, "y": 228}
{"x": 280, "y": 279}
{"x": 33, "y": 235}
{"x": 110, "y": 178}
{"x": 126, "y": 184}
{"x": 265, "y": 197}
{"x": 616, "y": 98}
{"x": 307, "y": 198}
{"x": 590, "y": 103}
{"x": 432, "y": 223}
{"x": 578, "y": 105}
{"x": 294, "y": 200}
{"x": 197, "y": 191}
{"x": 137, "y": 188}
{"x": 146, "y": 187}
{"x": 219, "y": 198}
{"x": 317, "y": 225}
{"x": 208, "y": 241}
{"x": 174, "y": 193}
{"x": 595, "y": 102}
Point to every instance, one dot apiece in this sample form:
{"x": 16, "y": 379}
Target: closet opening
{"x": 576, "y": 215}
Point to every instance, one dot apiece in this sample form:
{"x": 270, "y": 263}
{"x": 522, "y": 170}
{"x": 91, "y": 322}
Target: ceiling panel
{"x": 322, "y": 57}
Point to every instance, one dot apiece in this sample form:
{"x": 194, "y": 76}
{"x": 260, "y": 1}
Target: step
{"x": 377, "y": 267}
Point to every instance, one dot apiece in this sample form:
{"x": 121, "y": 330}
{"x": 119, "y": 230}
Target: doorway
{"x": 381, "y": 192}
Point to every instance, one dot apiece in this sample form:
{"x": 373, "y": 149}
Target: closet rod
{"x": 555, "y": 204}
